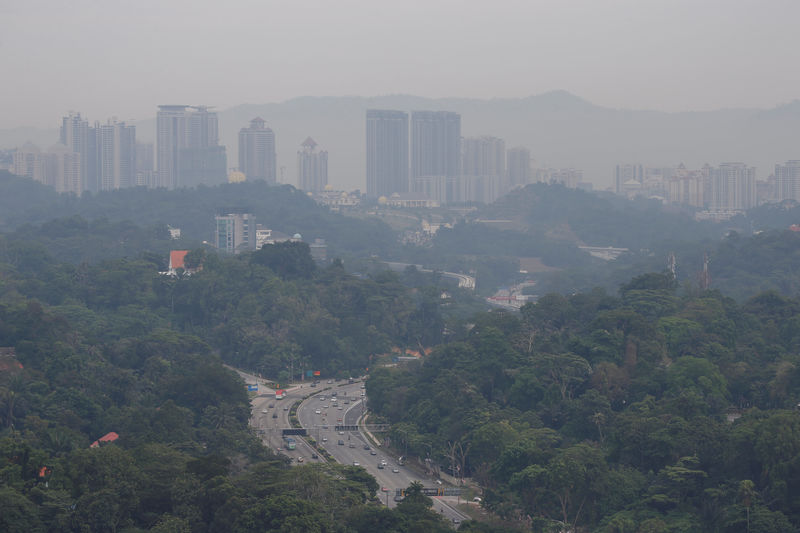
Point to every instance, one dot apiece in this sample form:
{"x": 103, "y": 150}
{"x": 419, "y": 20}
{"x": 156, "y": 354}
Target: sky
{"x": 121, "y": 58}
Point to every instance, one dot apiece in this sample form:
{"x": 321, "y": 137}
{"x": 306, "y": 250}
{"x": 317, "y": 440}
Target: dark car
{"x": 341, "y": 442}
{"x": 274, "y": 415}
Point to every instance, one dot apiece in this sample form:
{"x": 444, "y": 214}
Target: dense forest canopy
{"x": 653, "y": 410}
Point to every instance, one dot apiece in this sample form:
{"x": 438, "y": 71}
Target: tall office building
{"x": 518, "y": 167}
{"x": 787, "y": 181}
{"x": 236, "y": 232}
{"x": 312, "y": 167}
{"x": 145, "y": 165}
{"x": 733, "y": 187}
{"x": 436, "y": 154}
{"x": 387, "y": 152}
{"x": 257, "y": 158}
{"x": 187, "y": 147}
{"x": 80, "y": 138}
{"x": 483, "y": 169}
{"x": 117, "y": 155}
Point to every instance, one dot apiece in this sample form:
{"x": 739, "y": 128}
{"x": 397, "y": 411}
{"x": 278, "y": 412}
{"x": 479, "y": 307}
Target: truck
{"x": 280, "y": 394}
{"x": 291, "y": 444}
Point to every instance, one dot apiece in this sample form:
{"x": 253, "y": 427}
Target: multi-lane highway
{"x": 322, "y": 412}
{"x": 331, "y": 404}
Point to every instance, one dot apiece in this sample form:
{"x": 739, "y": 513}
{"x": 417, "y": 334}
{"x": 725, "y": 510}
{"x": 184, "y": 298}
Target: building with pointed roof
{"x": 257, "y": 159}
{"x": 312, "y": 167}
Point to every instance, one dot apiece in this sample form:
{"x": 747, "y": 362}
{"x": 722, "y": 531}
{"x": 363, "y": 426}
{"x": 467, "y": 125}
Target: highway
{"x": 355, "y": 448}
{"x": 270, "y": 416}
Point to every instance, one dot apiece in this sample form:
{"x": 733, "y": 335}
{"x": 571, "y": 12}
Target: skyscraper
{"x": 257, "y": 152}
{"x": 733, "y": 187}
{"x": 312, "y": 167}
{"x": 436, "y": 154}
{"x": 483, "y": 169}
{"x": 81, "y": 139}
{"x": 518, "y": 167}
{"x": 387, "y": 152}
{"x": 170, "y": 138}
{"x": 787, "y": 181}
{"x": 117, "y": 155}
{"x": 187, "y": 147}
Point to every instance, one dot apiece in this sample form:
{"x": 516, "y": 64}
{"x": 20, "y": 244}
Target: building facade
{"x": 257, "y": 159}
{"x": 733, "y": 187}
{"x": 436, "y": 154}
{"x": 187, "y": 147}
{"x": 312, "y": 167}
{"x": 235, "y": 233}
{"x": 387, "y": 152}
{"x": 787, "y": 181}
{"x": 518, "y": 167}
{"x": 117, "y": 155}
{"x": 483, "y": 170}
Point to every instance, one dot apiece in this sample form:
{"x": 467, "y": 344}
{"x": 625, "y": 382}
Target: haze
{"x": 123, "y": 58}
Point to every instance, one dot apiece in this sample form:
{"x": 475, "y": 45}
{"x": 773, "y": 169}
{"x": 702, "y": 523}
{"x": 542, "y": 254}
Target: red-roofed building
{"x": 177, "y": 259}
{"x": 105, "y": 439}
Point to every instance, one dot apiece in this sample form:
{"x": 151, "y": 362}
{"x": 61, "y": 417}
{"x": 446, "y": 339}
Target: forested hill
{"x": 281, "y": 208}
{"x": 655, "y": 410}
{"x": 116, "y": 350}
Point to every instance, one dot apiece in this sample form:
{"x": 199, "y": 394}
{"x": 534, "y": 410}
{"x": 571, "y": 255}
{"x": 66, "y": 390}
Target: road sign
{"x": 252, "y": 388}
{"x": 295, "y": 431}
{"x": 346, "y": 428}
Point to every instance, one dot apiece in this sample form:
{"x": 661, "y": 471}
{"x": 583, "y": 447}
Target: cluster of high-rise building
{"x": 187, "y": 153}
{"x": 425, "y": 159}
{"x": 93, "y": 158}
{"x": 721, "y": 191}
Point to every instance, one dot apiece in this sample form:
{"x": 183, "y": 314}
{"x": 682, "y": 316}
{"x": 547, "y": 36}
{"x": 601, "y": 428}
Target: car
{"x": 384, "y": 489}
{"x": 314, "y": 456}
{"x": 477, "y": 499}
{"x": 274, "y": 415}
{"x": 366, "y": 446}
{"x": 437, "y": 481}
{"x": 456, "y": 521}
{"x": 373, "y": 452}
{"x": 341, "y": 432}
{"x": 324, "y": 427}
{"x": 334, "y": 393}
{"x": 322, "y": 398}
{"x": 356, "y": 463}
{"x": 341, "y": 442}
{"x": 339, "y": 408}
{"x": 264, "y": 411}
{"x": 285, "y": 407}
{"x": 299, "y": 459}
{"x": 324, "y": 439}
{"x": 313, "y": 385}
{"x": 330, "y": 381}
{"x": 380, "y": 466}
{"x": 347, "y": 402}
{"x": 363, "y": 386}
{"x": 383, "y": 462}
{"x": 352, "y": 445}
{"x": 395, "y": 470}
{"x": 271, "y": 405}
{"x": 318, "y": 411}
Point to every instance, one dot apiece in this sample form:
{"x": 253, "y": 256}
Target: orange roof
{"x": 111, "y": 436}
{"x": 176, "y": 258}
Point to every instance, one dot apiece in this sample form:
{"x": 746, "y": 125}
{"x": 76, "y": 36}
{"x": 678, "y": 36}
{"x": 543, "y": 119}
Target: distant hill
{"x": 560, "y": 129}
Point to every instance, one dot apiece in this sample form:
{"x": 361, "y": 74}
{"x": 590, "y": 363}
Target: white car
{"x": 356, "y": 463}
{"x": 318, "y": 411}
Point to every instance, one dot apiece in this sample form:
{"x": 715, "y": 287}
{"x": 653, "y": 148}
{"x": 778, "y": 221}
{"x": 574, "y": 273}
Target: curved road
{"x": 271, "y": 416}
{"x": 350, "y": 447}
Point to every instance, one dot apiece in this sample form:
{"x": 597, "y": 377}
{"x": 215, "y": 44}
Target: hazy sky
{"x": 122, "y": 58}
